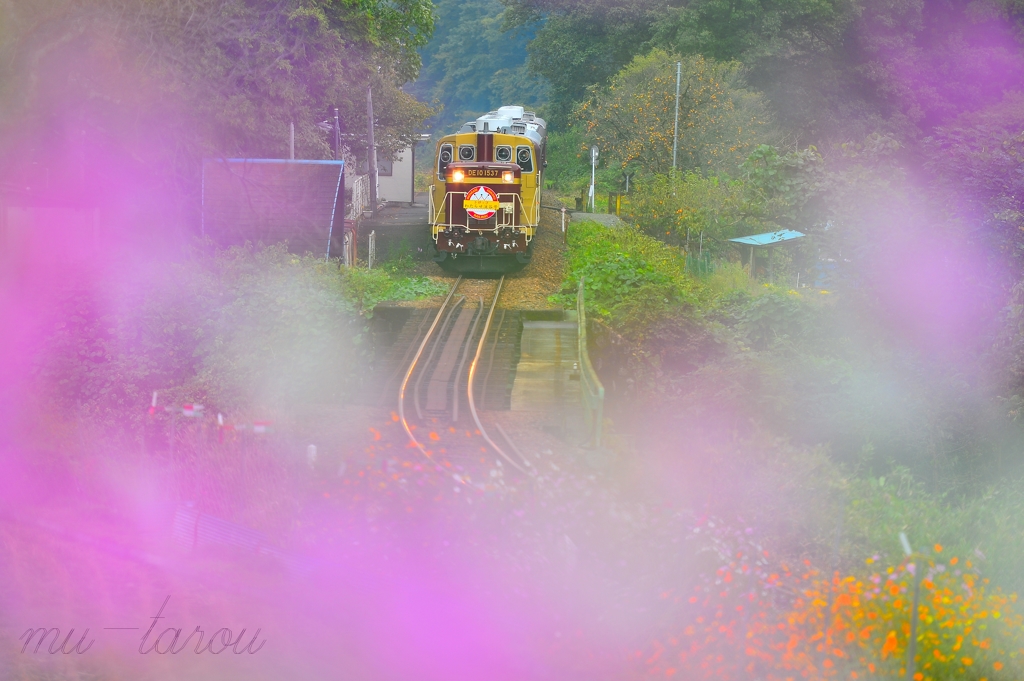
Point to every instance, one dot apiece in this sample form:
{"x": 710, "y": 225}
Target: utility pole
{"x": 371, "y": 151}
{"x": 675, "y": 129}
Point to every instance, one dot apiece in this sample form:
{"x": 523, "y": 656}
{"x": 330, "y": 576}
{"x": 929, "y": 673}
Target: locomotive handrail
{"x": 592, "y": 392}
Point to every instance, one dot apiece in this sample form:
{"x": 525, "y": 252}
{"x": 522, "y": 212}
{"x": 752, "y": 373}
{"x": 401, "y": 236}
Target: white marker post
{"x": 593, "y": 173}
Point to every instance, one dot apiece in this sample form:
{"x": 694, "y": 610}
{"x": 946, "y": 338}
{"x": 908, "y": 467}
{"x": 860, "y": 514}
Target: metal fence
{"x": 700, "y": 265}
{"x": 592, "y": 390}
{"x": 360, "y": 196}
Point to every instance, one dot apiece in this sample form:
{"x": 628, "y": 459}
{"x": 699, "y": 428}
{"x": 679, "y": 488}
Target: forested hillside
{"x": 148, "y": 89}
{"x": 891, "y": 133}
{"x": 476, "y": 62}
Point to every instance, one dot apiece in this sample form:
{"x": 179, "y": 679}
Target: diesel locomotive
{"x": 484, "y": 200}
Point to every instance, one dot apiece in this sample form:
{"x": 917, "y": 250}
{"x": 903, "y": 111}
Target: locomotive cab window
{"x": 444, "y": 157}
{"x": 503, "y": 153}
{"x": 524, "y": 157}
{"x": 467, "y": 152}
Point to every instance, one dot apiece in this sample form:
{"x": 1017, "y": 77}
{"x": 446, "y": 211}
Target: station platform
{"x": 547, "y": 375}
{"x": 606, "y": 219}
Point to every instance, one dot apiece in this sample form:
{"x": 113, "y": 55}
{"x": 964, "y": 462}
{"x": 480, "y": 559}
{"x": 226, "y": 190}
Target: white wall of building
{"x": 398, "y": 186}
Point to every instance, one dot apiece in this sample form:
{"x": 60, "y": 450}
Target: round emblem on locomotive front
{"x": 481, "y": 203}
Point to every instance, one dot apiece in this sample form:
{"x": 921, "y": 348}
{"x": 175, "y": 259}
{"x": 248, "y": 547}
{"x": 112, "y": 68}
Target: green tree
{"x": 845, "y": 68}
{"x": 580, "y": 44}
{"x": 977, "y": 160}
{"x": 468, "y": 66}
{"x": 781, "y": 189}
{"x": 633, "y": 119}
{"x": 689, "y": 205}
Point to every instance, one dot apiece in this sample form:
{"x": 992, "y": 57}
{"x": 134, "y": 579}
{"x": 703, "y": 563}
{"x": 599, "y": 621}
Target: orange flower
{"x": 890, "y": 644}
{"x": 954, "y": 560}
{"x": 967, "y": 661}
{"x": 997, "y": 665}
{"x": 938, "y": 548}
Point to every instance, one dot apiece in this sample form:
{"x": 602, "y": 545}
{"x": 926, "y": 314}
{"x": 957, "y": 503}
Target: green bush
{"x": 619, "y": 266}
{"x": 690, "y": 205}
{"x": 985, "y": 527}
{"x": 774, "y": 316}
{"x": 365, "y": 288}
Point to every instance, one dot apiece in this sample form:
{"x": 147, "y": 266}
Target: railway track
{"x": 456, "y": 354}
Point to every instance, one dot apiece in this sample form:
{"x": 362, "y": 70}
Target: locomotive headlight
{"x": 507, "y": 176}
{"x": 458, "y": 176}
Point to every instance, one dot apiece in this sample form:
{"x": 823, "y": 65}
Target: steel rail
{"x": 472, "y": 375}
{"x": 490, "y": 361}
{"x": 412, "y": 368}
{"x": 405, "y": 358}
{"x": 445, "y": 325}
{"x": 462, "y": 362}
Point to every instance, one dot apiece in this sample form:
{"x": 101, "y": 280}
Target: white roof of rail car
{"x": 511, "y": 111}
{"x": 511, "y": 120}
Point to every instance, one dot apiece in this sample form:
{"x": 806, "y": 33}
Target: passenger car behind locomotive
{"x": 485, "y": 197}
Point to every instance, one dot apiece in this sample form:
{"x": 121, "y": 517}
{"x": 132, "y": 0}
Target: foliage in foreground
{"x": 900, "y": 444}
{"x": 757, "y": 615}
{"x": 234, "y": 330}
